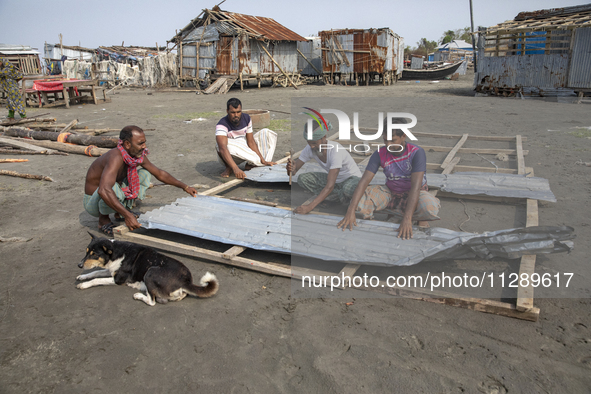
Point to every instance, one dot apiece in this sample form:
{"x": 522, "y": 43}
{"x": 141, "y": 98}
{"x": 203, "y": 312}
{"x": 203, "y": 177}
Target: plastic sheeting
{"x": 467, "y": 183}
{"x": 149, "y": 71}
{"x": 372, "y": 242}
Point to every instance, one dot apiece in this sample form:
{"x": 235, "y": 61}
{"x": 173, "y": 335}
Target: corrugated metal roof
{"x": 374, "y": 243}
{"x": 467, "y": 183}
{"x": 568, "y": 17}
{"x": 266, "y": 27}
{"x": 233, "y": 24}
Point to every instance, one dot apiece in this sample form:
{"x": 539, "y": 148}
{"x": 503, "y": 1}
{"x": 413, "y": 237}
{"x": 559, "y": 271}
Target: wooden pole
{"x": 79, "y": 139}
{"x": 279, "y": 67}
{"x": 27, "y": 176}
{"x": 473, "y": 39}
{"x": 69, "y": 126}
{"x": 77, "y": 149}
{"x": 30, "y": 152}
{"x": 292, "y": 164}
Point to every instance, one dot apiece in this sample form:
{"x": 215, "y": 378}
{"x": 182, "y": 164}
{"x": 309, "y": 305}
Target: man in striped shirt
{"x": 236, "y": 142}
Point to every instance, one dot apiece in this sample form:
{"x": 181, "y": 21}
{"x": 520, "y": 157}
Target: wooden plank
{"x": 454, "y": 136}
{"x": 504, "y": 200}
{"x": 451, "y": 165}
{"x": 453, "y": 152}
{"x": 444, "y": 148}
{"x": 23, "y": 145}
{"x": 233, "y": 252}
{"x": 458, "y": 168}
{"x": 520, "y": 154}
{"x": 253, "y": 201}
{"x": 525, "y": 294}
{"x": 473, "y": 150}
{"x": 123, "y": 234}
{"x": 348, "y": 271}
{"x": 476, "y": 304}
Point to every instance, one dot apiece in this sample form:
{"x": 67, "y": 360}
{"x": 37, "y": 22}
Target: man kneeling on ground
{"x": 236, "y": 143}
{"x": 405, "y": 192}
{"x": 340, "y": 179}
{"x": 113, "y": 181}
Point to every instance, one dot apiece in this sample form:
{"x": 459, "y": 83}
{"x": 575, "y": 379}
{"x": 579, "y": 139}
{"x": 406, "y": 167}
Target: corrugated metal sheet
{"x": 468, "y": 183}
{"x": 226, "y": 60}
{"x": 580, "y": 68}
{"x": 523, "y": 70}
{"x": 310, "y": 49}
{"x": 207, "y": 59}
{"x": 286, "y": 55}
{"x": 189, "y": 60}
{"x": 211, "y": 34}
{"x": 372, "y": 242}
{"x": 489, "y": 184}
{"x": 416, "y": 63}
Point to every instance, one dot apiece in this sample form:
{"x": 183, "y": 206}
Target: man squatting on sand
{"x": 113, "y": 181}
{"x": 405, "y": 192}
{"x": 235, "y": 142}
{"x": 341, "y": 175}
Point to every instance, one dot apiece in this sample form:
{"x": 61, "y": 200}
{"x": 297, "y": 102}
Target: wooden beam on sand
{"x": 27, "y": 176}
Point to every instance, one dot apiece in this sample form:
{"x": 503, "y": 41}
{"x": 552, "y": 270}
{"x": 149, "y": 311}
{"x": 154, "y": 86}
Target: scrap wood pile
{"x": 294, "y": 79}
{"x": 44, "y": 136}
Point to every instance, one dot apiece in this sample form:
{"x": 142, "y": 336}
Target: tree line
{"x": 424, "y": 46}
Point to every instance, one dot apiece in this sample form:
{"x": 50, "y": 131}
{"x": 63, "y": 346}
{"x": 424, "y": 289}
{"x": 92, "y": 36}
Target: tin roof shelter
{"x": 543, "y": 52}
{"x": 226, "y": 46}
{"x": 362, "y": 54}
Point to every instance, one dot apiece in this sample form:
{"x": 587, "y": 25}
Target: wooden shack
{"x": 543, "y": 52}
{"x": 229, "y": 46}
{"x": 362, "y": 55}
{"x": 25, "y": 58}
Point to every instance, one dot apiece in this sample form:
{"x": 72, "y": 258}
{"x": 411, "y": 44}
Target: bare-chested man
{"x": 113, "y": 181}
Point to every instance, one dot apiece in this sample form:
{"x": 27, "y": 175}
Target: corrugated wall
{"x": 580, "y": 69}
{"x": 525, "y": 70}
{"x": 537, "y": 70}
{"x": 310, "y": 49}
{"x": 189, "y": 60}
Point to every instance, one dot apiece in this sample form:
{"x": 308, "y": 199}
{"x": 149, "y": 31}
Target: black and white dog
{"x": 162, "y": 278}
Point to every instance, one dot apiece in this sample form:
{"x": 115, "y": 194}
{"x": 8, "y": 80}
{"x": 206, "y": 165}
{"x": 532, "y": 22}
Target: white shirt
{"x": 336, "y": 157}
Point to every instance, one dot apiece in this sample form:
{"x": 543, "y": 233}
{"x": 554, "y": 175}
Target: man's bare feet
{"x": 248, "y": 167}
{"x": 423, "y": 224}
{"x": 227, "y": 172}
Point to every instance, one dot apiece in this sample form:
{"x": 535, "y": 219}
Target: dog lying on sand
{"x": 159, "y": 278}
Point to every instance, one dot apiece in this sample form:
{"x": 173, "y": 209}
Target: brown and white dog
{"x": 162, "y": 278}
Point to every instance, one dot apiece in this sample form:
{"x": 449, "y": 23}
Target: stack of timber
{"x": 221, "y": 85}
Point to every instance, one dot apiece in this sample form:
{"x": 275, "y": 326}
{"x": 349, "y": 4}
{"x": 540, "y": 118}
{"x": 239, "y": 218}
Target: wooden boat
{"x": 432, "y": 74}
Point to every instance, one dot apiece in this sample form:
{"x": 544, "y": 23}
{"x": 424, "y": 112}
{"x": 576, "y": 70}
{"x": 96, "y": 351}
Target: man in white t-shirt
{"x": 340, "y": 179}
{"x": 235, "y": 142}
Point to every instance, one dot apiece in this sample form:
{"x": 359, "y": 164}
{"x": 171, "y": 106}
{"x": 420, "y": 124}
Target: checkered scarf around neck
{"x": 133, "y": 180}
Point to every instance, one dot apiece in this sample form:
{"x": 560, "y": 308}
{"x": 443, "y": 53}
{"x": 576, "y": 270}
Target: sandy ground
{"x": 254, "y": 336}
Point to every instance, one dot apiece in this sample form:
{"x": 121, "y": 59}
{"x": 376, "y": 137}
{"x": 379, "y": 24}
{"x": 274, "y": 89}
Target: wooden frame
{"x": 522, "y": 308}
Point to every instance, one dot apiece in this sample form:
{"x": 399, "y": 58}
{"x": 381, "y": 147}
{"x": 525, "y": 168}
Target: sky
{"x": 144, "y": 23}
